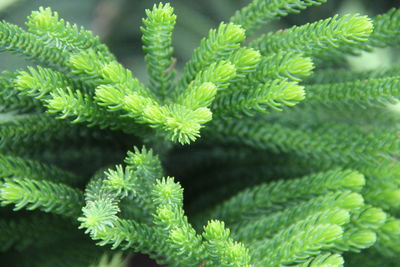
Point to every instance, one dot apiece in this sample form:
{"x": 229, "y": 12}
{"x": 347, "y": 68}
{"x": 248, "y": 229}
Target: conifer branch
{"x": 355, "y": 240}
{"x": 34, "y": 129}
{"x": 389, "y": 236}
{"x": 19, "y": 41}
{"x": 224, "y": 251}
{"x": 384, "y": 90}
{"x": 60, "y": 34}
{"x": 43, "y": 195}
{"x": 260, "y": 12}
{"x": 325, "y": 259}
{"x": 203, "y": 89}
{"x": 272, "y": 196}
{"x": 80, "y": 107}
{"x": 386, "y": 29}
{"x": 11, "y": 100}
{"x": 323, "y": 39}
{"x": 246, "y": 61}
{"x": 219, "y": 44}
{"x": 320, "y": 144}
{"x": 293, "y": 66}
{"x": 157, "y": 40}
{"x": 169, "y": 237}
{"x": 296, "y": 243}
{"x": 296, "y": 188}
{"x": 68, "y": 98}
{"x": 13, "y": 166}
{"x": 265, "y": 226}
{"x": 260, "y": 98}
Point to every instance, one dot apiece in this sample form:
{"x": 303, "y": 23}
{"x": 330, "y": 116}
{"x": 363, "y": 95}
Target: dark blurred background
{"x": 117, "y": 22}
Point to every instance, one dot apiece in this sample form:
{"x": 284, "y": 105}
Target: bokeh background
{"x": 117, "y": 23}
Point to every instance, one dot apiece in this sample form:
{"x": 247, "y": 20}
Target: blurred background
{"x": 117, "y": 23}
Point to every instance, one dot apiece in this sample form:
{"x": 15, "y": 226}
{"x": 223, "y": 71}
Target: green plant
{"x": 293, "y": 159}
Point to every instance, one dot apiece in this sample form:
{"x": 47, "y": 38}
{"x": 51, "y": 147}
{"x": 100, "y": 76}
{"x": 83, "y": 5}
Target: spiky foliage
{"x": 157, "y": 39}
{"x": 261, "y": 12}
{"x": 293, "y": 168}
{"x": 323, "y": 39}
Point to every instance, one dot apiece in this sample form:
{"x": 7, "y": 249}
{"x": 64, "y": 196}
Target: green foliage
{"x": 19, "y": 41}
{"x": 34, "y": 231}
{"x": 323, "y": 39}
{"x": 168, "y": 236}
{"x": 274, "y": 195}
{"x": 46, "y": 24}
{"x": 290, "y": 167}
{"x": 12, "y": 166}
{"x": 219, "y": 44}
{"x": 265, "y": 226}
{"x": 44, "y": 195}
{"x": 157, "y": 39}
{"x": 360, "y": 91}
{"x": 10, "y": 100}
{"x": 260, "y": 12}
{"x": 34, "y": 130}
{"x": 385, "y": 29}
{"x": 265, "y": 97}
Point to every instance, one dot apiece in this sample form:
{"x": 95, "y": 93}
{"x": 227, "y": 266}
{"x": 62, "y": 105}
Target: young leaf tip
{"x": 362, "y": 239}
